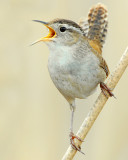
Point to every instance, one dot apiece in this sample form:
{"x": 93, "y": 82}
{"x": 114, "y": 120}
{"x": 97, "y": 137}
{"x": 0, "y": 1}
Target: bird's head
{"x": 61, "y": 32}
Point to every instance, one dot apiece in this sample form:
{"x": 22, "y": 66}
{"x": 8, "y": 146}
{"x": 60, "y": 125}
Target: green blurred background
{"x": 34, "y": 117}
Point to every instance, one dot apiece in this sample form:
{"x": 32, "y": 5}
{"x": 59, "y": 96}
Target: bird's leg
{"x": 104, "y": 87}
{"x": 72, "y": 136}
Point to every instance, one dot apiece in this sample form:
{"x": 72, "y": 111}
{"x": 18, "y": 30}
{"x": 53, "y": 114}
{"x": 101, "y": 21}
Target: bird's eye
{"x": 62, "y": 29}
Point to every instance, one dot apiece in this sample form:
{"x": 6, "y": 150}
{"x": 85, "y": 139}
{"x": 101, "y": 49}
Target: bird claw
{"x": 72, "y": 137}
{"x": 104, "y": 87}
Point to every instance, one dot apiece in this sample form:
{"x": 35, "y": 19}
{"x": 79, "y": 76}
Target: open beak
{"x": 50, "y": 35}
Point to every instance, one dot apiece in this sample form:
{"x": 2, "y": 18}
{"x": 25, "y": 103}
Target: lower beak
{"x": 50, "y": 35}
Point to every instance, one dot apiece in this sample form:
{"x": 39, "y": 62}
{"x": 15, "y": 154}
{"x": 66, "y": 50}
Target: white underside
{"x": 74, "y": 77}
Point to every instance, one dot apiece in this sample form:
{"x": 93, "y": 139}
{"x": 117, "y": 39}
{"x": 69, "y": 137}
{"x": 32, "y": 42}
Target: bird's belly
{"x": 75, "y": 78}
{"x": 75, "y": 87}
{"x": 80, "y": 84}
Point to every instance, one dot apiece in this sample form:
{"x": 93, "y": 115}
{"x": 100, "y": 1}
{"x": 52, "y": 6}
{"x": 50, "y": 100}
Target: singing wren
{"x": 75, "y": 63}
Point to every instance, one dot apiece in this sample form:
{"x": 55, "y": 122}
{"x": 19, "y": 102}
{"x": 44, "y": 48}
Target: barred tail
{"x": 97, "y": 20}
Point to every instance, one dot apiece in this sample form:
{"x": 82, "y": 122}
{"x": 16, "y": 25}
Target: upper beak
{"x": 51, "y": 34}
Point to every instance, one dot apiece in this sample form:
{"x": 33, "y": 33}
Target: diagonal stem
{"x": 99, "y": 104}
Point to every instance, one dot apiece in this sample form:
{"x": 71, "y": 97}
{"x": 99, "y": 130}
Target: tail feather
{"x": 97, "y": 21}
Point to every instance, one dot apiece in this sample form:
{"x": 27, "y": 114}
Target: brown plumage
{"x": 97, "y": 20}
{"x": 95, "y": 29}
{"x": 65, "y": 21}
{"x": 96, "y": 26}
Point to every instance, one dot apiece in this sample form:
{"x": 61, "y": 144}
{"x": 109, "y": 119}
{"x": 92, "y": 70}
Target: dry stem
{"x": 98, "y": 105}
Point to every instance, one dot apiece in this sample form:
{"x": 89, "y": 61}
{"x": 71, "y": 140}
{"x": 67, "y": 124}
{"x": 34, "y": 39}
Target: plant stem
{"x": 99, "y": 104}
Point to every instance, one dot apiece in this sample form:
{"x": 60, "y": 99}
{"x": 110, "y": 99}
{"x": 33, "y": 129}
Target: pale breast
{"x": 75, "y": 78}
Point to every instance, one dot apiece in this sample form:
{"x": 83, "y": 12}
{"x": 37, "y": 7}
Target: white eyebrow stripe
{"x": 71, "y": 27}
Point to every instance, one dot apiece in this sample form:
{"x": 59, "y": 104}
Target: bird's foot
{"x": 104, "y": 87}
{"x": 72, "y": 137}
